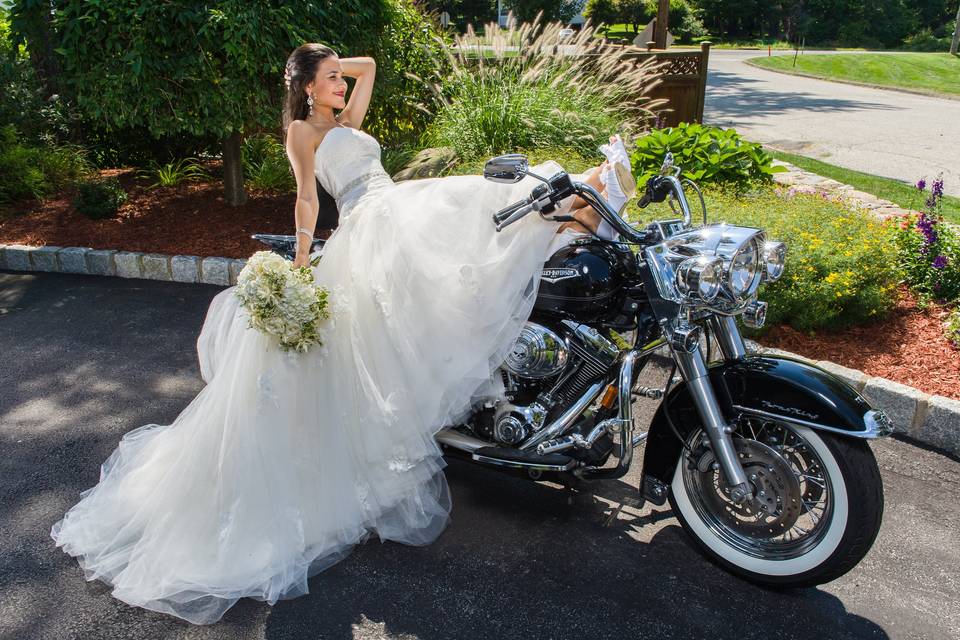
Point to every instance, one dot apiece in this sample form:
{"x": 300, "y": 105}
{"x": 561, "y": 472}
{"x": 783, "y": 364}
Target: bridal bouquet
{"x": 281, "y": 301}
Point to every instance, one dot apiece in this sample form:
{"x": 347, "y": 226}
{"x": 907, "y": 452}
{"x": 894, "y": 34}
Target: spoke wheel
{"x": 791, "y": 500}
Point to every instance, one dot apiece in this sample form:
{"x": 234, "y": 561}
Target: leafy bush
{"x": 497, "y": 100}
{"x": 706, "y": 154}
{"x": 953, "y": 327}
{"x": 839, "y": 269}
{"x": 175, "y": 172}
{"x": 35, "y": 172}
{"x": 266, "y": 166}
{"x": 99, "y": 199}
{"x": 928, "y": 250}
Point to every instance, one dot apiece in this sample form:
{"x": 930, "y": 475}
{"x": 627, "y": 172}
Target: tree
{"x": 602, "y": 12}
{"x": 553, "y": 10}
{"x": 956, "y": 34}
{"x": 185, "y": 68}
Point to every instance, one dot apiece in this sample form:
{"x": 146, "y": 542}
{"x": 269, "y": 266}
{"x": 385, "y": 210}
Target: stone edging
{"x": 124, "y": 264}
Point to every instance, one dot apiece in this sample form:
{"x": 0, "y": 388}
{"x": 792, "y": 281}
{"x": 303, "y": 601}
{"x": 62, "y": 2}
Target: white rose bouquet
{"x": 281, "y": 301}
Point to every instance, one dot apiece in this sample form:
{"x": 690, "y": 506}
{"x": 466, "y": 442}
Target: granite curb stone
{"x": 73, "y": 259}
{"x": 215, "y": 271}
{"x": 236, "y": 265}
{"x": 185, "y": 268}
{"x": 45, "y": 259}
{"x": 100, "y": 262}
{"x": 903, "y": 405}
{"x": 127, "y": 263}
{"x": 155, "y": 266}
{"x": 940, "y": 425}
{"x": 17, "y": 257}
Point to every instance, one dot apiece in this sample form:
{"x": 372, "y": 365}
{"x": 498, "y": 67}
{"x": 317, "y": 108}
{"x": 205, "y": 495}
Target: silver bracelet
{"x": 306, "y": 232}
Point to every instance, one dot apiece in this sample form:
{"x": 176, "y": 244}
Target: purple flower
{"x": 940, "y": 262}
{"x": 937, "y": 189}
{"x": 926, "y": 227}
{"x": 922, "y": 184}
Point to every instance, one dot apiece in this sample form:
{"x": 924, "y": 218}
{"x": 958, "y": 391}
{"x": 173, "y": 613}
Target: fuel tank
{"x": 586, "y": 281}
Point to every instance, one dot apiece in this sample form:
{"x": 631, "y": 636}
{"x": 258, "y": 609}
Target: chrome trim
{"x": 453, "y": 438}
{"x": 694, "y": 372}
{"x": 537, "y": 353}
{"x": 874, "y": 428}
{"x": 728, "y": 337}
{"x": 523, "y": 465}
{"x": 640, "y": 438}
{"x": 566, "y": 419}
{"x": 755, "y": 314}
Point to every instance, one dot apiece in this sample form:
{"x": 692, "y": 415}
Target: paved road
{"x": 888, "y": 133}
{"x": 86, "y": 359}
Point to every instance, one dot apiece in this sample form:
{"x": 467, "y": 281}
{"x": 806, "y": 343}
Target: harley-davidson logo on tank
{"x": 558, "y": 274}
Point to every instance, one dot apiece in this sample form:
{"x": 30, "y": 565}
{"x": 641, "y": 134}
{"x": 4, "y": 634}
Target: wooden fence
{"x": 683, "y": 83}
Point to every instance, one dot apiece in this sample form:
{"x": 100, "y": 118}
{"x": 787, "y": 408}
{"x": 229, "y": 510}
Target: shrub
{"x": 952, "y": 328}
{"x": 99, "y": 199}
{"x": 928, "y": 250}
{"x": 35, "y": 172}
{"x": 175, "y": 172}
{"x": 497, "y": 100}
{"x": 706, "y": 154}
{"x": 266, "y": 166}
{"x": 839, "y": 270}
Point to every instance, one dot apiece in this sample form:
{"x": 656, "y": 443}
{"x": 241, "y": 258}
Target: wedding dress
{"x": 283, "y": 462}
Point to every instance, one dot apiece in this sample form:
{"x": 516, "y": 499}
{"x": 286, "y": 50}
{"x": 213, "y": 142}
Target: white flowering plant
{"x": 282, "y": 301}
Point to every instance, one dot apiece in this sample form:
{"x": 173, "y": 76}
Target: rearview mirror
{"x": 508, "y": 168}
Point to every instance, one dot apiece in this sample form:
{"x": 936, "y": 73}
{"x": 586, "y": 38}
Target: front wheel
{"x": 817, "y": 506}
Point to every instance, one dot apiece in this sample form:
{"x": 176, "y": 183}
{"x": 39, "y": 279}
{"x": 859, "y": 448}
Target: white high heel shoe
{"x": 617, "y": 177}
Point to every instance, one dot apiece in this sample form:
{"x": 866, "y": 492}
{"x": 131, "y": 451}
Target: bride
{"x": 284, "y": 462}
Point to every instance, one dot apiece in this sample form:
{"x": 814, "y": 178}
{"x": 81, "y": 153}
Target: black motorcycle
{"x": 764, "y": 459}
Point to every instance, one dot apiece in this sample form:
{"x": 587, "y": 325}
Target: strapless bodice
{"x": 347, "y": 164}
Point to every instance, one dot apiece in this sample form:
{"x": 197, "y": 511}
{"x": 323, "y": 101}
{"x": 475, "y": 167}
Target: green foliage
{"x": 98, "y": 199}
{"x": 36, "y": 171}
{"x": 570, "y": 159}
{"x": 527, "y": 10}
{"x": 535, "y": 97}
{"x": 175, "y": 172}
{"x": 706, "y": 155}
{"x": 213, "y": 68}
{"x": 266, "y": 166}
{"x": 839, "y": 271}
{"x": 952, "y": 329}
{"x": 925, "y": 40}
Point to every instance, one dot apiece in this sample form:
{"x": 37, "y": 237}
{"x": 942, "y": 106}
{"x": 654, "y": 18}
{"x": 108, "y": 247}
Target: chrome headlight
{"x": 774, "y": 258}
{"x": 717, "y": 266}
{"x": 744, "y": 276}
{"x": 700, "y": 277}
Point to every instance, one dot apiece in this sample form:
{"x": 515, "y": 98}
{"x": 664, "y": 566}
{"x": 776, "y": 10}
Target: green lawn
{"x": 901, "y": 194}
{"x": 927, "y": 72}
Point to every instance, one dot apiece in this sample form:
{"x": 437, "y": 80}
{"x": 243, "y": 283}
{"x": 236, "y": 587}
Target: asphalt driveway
{"x": 85, "y": 359}
{"x": 888, "y": 133}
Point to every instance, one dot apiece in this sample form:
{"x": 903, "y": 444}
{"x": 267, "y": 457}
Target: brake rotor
{"x": 776, "y": 504}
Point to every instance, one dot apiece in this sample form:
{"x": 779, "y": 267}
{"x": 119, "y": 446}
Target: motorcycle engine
{"x": 542, "y": 372}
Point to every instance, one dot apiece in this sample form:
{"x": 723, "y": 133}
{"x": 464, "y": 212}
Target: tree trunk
{"x": 956, "y": 35}
{"x": 233, "y": 191}
{"x": 660, "y": 27}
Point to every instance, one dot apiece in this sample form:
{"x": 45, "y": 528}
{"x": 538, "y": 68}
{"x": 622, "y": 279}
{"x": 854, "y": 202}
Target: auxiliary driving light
{"x": 774, "y": 258}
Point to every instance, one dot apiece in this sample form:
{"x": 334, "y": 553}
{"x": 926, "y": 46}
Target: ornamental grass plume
{"x": 525, "y": 87}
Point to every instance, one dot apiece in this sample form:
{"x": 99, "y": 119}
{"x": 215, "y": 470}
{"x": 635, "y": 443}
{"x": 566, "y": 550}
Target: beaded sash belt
{"x": 361, "y": 180}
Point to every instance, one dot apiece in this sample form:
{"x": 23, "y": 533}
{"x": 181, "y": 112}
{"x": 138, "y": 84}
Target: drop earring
{"x": 310, "y": 103}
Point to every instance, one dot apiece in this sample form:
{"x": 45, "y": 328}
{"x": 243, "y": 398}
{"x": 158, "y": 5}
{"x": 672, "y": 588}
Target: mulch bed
{"x": 190, "y": 219}
{"x": 908, "y": 346}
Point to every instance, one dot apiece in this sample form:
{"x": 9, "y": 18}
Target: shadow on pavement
{"x": 733, "y": 96}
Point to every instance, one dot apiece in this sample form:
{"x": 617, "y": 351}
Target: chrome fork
{"x": 693, "y": 368}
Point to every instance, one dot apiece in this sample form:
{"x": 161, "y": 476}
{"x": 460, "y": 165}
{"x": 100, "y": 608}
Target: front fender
{"x": 764, "y": 386}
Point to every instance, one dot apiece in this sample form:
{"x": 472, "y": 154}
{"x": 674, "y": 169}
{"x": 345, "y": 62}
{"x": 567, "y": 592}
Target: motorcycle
{"x": 764, "y": 459}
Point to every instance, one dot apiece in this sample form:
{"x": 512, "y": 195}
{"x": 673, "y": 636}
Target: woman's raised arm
{"x": 364, "y": 70}
{"x": 300, "y": 150}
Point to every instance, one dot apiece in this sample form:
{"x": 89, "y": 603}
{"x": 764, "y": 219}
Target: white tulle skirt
{"x": 283, "y": 462}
